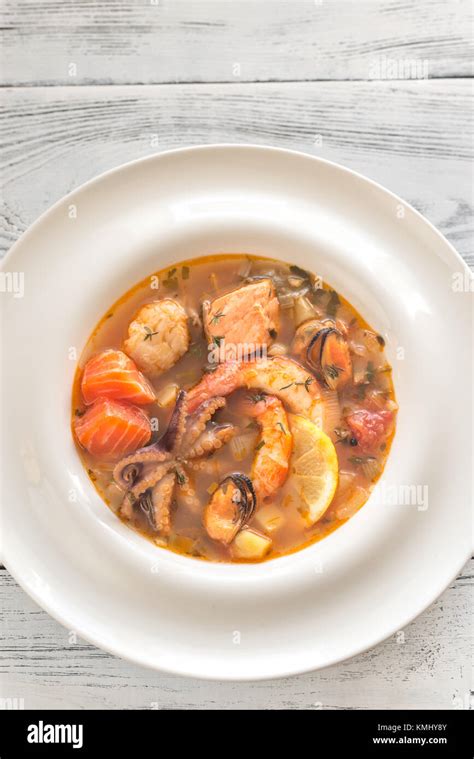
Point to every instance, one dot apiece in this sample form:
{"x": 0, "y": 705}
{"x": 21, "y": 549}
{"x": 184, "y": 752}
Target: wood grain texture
{"x": 162, "y": 41}
{"x": 427, "y": 665}
{"x": 413, "y": 137}
{"x": 283, "y": 72}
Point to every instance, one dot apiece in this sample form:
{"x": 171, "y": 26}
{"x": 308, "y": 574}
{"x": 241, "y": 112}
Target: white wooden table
{"x": 381, "y": 86}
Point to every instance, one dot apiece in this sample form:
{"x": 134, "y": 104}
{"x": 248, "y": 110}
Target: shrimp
{"x": 279, "y": 376}
{"x": 273, "y": 451}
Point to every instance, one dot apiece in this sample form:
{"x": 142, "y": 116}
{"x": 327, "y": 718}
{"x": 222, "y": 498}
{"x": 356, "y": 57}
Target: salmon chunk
{"x": 247, "y": 316}
{"x": 112, "y": 374}
{"x": 112, "y": 429}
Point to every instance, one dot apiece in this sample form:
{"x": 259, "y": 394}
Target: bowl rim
{"x": 241, "y": 568}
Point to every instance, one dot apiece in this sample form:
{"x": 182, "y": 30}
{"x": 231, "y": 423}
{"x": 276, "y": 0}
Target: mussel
{"x": 325, "y": 349}
{"x": 231, "y": 506}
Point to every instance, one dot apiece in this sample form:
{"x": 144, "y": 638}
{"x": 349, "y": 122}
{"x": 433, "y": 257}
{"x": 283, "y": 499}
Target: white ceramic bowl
{"x": 292, "y": 614}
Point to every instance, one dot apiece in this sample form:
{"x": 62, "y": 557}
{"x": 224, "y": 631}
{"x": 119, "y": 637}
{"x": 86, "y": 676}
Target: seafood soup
{"x": 233, "y": 408}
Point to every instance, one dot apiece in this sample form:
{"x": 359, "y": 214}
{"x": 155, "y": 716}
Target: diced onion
{"x": 241, "y": 445}
{"x": 346, "y": 480}
{"x": 277, "y": 349}
{"x": 357, "y": 348}
{"x": 359, "y": 371}
{"x": 244, "y": 269}
{"x": 371, "y": 468}
{"x": 167, "y": 396}
{"x": 331, "y": 410}
{"x": 269, "y": 517}
{"x": 194, "y": 316}
{"x": 353, "y": 503}
{"x": 303, "y": 310}
{"x": 295, "y": 281}
{"x": 384, "y": 379}
{"x": 286, "y": 299}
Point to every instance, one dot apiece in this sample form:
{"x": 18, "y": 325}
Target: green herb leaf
{"x": 149, "y": 333}
{"x": 216, "y": 317}
{"x": 256, "y": 397}
{"x": 298, "y": 272}
{"x": 260, "y": 445}
{"x": 370, "y": 372}
{"x": 358, "y": 460}
{"x": 196, "y": 349}
{"x": 306, "y": 383}
{"x": 185, "y": 272}
{"x": 333, "y": 304}
{"x": 342, "y": 433}
{"x": 332, "y": 371}
{"x": 171, "y": 283}
{"x": 361, "y": 392}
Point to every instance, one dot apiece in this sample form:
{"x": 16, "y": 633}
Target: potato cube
{"x": 250, "y": 545}
{"x": 269, "y": 517}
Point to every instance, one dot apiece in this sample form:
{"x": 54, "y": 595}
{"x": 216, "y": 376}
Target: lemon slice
{"x": 314, "y": 468}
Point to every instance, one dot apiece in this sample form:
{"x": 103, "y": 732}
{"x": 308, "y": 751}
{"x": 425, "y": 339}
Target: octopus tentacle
{"x": 181, "y": 477}
{"x": 138, "y": 465}
{"x": 155, "y": 475}
{"x": 161, "y": 498}
{"x": 196, "y": 423}
{"x": 187, "y": 493}
{"x": 205, "y": 465}
{"x": 142, "y": 469}
{"x": 211, "y": 440}
{"x": 149, "y": 475}
{"x": 126, "y": 507}
{"x": 173, "y": 437}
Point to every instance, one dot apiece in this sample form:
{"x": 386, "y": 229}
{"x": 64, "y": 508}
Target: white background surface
{"x": 90, "y": 85}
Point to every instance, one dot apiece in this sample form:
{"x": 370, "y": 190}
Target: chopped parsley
{"x": 149, "y": 333}
{"x": 216, "y": 317}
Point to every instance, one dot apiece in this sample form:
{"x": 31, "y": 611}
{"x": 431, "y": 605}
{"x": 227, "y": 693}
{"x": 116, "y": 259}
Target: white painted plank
{"x": 413, "y": 137}
{"x": 425, "y": 666}
{"x": 156, "y": 41}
